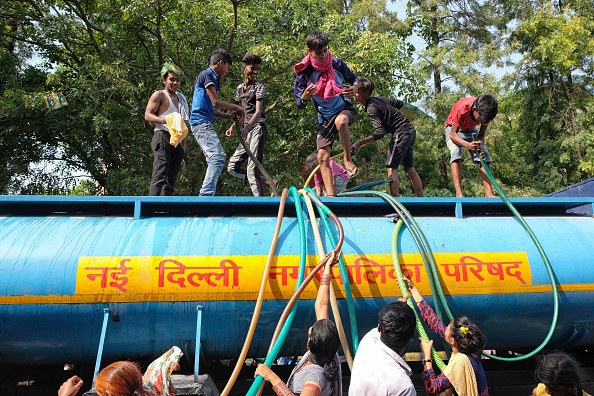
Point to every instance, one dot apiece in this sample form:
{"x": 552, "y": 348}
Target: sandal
{"x": 352, "y": 172}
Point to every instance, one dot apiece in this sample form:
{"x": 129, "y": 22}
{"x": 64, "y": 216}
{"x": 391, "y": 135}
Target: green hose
{"x": 419, "y": 239}
{"x": 405, "y": 293}
{"x": 433, "y": 273}
{"x": 546, "y": 261}
{"x": 343, "y": 273}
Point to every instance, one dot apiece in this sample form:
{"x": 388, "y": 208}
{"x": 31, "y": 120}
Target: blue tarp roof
{"x": 579, "y": 190}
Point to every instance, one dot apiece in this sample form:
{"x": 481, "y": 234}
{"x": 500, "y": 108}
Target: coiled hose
{"x": 343, "y": 274}
{"x": 333, "y": 301}
{"x": 433, "y": 272}
{"x": 547, "y": 264}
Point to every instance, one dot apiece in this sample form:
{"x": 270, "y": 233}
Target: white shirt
{"x": 379, "y": 371}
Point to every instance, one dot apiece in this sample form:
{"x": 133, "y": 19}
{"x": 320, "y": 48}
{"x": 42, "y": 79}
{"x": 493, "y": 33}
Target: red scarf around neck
{"x": 327, "y": 86}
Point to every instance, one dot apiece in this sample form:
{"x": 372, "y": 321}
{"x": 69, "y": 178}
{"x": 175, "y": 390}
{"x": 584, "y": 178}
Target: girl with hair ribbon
{"x": 464, "y": 373}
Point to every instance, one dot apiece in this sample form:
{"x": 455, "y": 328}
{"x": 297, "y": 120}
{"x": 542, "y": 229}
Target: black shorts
{"x": 401, "y": 149}
{"x": 327, "y": 129}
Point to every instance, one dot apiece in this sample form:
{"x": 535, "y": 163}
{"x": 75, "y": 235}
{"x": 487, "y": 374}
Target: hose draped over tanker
{"x": 86, "y": 245}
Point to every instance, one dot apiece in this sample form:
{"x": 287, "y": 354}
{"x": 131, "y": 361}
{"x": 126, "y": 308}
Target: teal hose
{"x": 433, "y": 273}
{"x": 405, "y": 293}
{"x": 418, "y": 237}
{"x": 426, "y": 254}
{"x": 343, "y": 273}
{"x": 546, "y": 261}
{"x": 259, "y": 381}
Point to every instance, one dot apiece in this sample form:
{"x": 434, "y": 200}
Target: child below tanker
{"x": 464, "y": 373}
{"x": 318, "y": 372}
{"x": 340, "y": 176}
{"x": 320, "y": 79}
{"x": 559, "y": 374}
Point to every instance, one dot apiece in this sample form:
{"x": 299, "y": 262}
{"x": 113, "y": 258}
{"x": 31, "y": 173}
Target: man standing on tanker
{"x": 320, "y": 79}
{"x": 205, "y": 107}
{"x": 167, "y": 158}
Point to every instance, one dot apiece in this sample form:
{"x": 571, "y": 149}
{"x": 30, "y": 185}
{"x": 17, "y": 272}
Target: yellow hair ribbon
{"x": 464, "y": 329}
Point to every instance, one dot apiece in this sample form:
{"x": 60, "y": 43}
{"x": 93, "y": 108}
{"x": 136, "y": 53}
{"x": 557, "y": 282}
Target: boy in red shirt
{"x": 460, "y": 131}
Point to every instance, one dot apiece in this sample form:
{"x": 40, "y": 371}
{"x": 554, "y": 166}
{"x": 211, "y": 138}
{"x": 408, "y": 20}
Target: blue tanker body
{"x": 151, "y": 262}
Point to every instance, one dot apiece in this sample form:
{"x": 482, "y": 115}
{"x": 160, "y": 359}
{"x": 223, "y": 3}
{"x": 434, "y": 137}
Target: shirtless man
{"x": 168, "y": 158}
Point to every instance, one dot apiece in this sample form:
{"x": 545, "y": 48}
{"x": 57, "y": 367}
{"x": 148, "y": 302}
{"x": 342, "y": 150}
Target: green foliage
{"x": 104, "y": 56}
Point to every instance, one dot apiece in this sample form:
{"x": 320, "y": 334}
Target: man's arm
{"x": 219, "y": 104}
{"x": 395, "y": 102}
{"x": 348, "y": 75}
{"x": 378, "y": 128}
{"x": 461, "y": 142}
{"x": 150, "y": 114}
{"x": 237, "y": 100}
{"x": 303, "y": 91}
{"x": 482, "y": 131}
{"x": 360, "y": 143}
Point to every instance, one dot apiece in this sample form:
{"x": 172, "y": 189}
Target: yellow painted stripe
{"x": 122, "y": 279}
{"x": 169, "y": 297}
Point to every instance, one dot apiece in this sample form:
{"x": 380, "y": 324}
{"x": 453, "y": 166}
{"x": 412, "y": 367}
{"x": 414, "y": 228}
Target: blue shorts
{"x": 456, "y": 150}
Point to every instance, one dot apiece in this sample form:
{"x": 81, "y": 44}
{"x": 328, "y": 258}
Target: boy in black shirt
{"x": 385, "y": 116}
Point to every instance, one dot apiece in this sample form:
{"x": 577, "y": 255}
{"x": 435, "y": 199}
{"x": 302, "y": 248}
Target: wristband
{"x": 303, "y": 101}
{"x": 426, "y": 361}
{"x": 281, "y": 389}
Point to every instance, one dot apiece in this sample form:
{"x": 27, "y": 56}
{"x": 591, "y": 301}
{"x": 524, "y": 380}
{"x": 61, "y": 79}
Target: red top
{"x": 460, "y": 115}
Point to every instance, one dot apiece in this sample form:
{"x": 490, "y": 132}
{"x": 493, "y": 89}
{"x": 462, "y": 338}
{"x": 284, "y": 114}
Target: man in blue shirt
{"x": 204, "y": 109}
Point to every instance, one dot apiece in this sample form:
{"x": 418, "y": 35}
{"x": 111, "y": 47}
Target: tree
{"x": 553, "y": 92}
{"x": 104, "y": 57}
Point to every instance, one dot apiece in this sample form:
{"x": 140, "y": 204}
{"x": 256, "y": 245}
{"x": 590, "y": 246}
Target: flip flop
{"x": 352, "y": 172}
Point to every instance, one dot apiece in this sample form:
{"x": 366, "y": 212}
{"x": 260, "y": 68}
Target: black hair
{"x": 487, "y": 107}
{"x": 397, "y": 325}
{"x": 317, "y": 40}
{"x": 311, "y": 161}
{"x": 468, "y": 336}
{"x": 251, "y": 59}
{"x": 323, "y": 345}
{"x": 220, "y": 54}
{"x": 560, "y": 369}
{"x": 365, "y": 85}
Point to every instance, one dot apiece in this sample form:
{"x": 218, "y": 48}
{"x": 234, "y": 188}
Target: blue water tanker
{"x": 153, "y": 272}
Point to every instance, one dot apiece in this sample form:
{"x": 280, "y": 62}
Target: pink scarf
{"x": 327, "y": 86}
